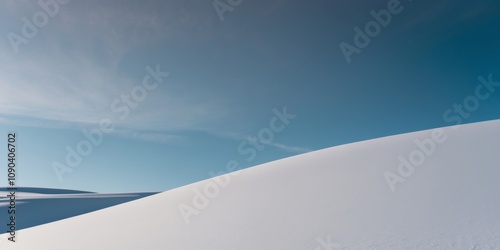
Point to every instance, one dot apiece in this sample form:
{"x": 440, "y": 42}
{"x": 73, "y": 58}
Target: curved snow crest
{"x": 336, "y": 198}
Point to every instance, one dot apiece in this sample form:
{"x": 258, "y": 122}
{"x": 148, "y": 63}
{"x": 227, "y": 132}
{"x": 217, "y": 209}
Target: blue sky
{"x": 226, "y": 77}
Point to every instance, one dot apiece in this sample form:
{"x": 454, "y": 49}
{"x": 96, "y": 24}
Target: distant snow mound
{"x": 38, "y": 190}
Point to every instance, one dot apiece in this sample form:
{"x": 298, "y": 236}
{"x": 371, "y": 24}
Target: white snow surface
{"x": 337, "y": 195}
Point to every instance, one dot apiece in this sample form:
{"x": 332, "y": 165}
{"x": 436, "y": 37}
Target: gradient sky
{"x": 225, "y": 79}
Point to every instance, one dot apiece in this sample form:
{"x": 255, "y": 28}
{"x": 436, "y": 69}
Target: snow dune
{"x": 336, "y": 198}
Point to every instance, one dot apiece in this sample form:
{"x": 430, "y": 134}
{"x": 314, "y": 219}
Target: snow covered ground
{"x": 435, "y": 189}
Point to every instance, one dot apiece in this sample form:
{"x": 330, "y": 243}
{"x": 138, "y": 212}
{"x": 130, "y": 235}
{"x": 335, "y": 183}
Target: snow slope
{"x": 336, "y": 198}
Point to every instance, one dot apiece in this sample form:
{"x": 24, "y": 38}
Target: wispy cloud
{"x": 291, "y": 149}
{"x": 149, "y": 136}
{"x": 242, "y": 137}
{"x": 70, "y": 72}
